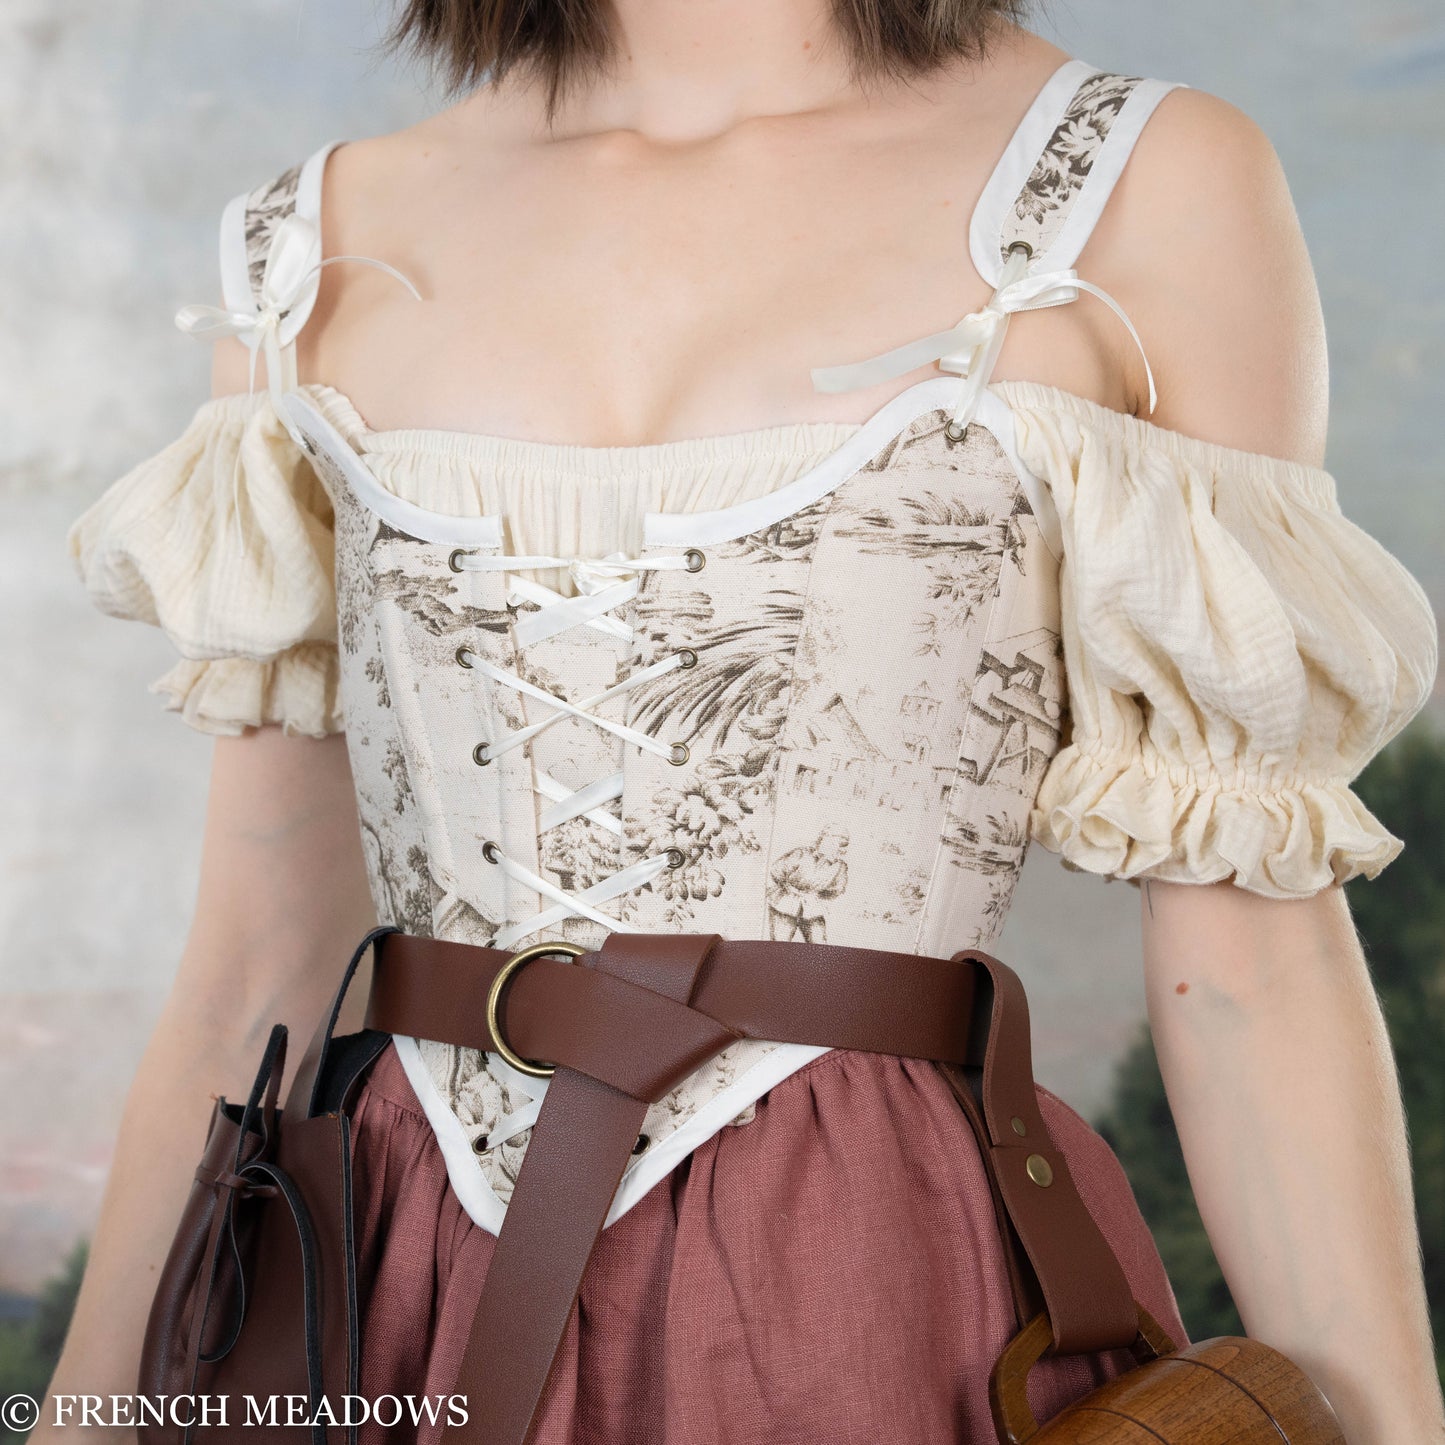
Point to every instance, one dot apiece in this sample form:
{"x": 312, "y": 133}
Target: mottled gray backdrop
{"x": 125, "y": 125}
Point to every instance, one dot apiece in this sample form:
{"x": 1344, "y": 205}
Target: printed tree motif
{"x": 994, "y": 846}
{"x": 1064, "y": 166}
{"x": 578, "y": 853}
{"x": 705, "y": 819}
{"x": 963, "y": 548}
{"x": 376, "y": 673}
{"x": 743, "y": 672}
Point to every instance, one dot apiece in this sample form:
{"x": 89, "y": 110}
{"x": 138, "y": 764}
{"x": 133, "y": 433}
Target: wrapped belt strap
{"x": 627, "y": 1022}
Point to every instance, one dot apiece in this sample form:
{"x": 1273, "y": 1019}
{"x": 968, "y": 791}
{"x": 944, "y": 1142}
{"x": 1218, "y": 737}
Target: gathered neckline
{"x": 810, "y": 439}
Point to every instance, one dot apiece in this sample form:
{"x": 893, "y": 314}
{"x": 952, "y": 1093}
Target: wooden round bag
{"x": 1229, "y": 1390}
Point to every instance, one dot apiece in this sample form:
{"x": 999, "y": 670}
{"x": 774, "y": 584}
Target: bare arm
{"x": 282, "y": 900}
{"x": 1269, "y": 1033}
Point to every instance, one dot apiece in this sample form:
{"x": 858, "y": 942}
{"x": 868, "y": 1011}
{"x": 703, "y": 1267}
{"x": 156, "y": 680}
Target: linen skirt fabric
{"x": 829, "y": 1272}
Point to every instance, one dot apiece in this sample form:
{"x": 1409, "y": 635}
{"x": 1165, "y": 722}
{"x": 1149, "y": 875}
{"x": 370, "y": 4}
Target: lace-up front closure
{"x": 604, "y": 584}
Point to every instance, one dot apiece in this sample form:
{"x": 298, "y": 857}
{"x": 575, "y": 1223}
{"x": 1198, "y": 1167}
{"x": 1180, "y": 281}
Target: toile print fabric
{"x": 266, "y": 207}
{"x": 1060, "y": 173}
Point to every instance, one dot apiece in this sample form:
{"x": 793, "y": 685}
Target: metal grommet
{"x": 954, "y": 433}
{"x": 454, "y": 554}
{"x": 479, "y": 1144}
{"x": 695, "y": 560}
{"x": 678, "y": 754}
{"x": 642, "y": 1142}
{"x": 686, "y": 657}
{"x": 494, "y": 996}
{"x": 461, "y": 655}
{"x": 491, "y": 852}
{"x": 1018, "y": 1126}
{"x": 1020, "y": 246}
{"x": 1040, "y": 1170}
{"x": 676, "y": 857}
{"x": 479, "y": 755}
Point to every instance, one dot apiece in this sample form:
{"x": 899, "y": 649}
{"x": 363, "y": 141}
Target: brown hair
{"x": 563, "y": 41}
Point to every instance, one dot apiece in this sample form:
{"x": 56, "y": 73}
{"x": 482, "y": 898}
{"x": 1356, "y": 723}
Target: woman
{"x": 633, "y": 246}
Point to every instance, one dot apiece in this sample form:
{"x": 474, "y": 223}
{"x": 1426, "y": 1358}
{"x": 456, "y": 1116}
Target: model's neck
{"x": 690, "y": 70}
{"x": 693, "y": 69}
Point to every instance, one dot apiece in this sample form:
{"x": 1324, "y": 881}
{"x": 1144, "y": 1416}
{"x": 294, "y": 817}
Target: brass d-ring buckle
{"x": 494, "y": 998}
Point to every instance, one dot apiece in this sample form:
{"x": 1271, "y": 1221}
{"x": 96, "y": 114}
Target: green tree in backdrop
{"x": 1401, "y": 919}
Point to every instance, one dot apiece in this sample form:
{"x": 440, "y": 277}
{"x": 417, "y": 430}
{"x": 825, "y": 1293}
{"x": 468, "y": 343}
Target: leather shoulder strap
{"x": 1053, "y": 180}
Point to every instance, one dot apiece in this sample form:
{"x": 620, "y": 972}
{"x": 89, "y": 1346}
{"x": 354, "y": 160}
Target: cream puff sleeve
{"x": 224, "y": 540}
{"x": 1236, "y": 650}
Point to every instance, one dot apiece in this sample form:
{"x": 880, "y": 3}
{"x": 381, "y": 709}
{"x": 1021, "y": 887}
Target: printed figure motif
{"x": 801, "y": 881}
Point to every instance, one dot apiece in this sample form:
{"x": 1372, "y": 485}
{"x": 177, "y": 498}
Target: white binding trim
{"x": 699, "y": 529}
{"x": 705, "y": 529}
{"x": 418, "y": 522}
{"x": 1017, "y": 162}
{"x": 308, "y": 206}
{"x": 235, "y": 273}
{"x": 1088, "y": 205}
{"x": 479, "y": 1199}
{"x": 235, "y": 264}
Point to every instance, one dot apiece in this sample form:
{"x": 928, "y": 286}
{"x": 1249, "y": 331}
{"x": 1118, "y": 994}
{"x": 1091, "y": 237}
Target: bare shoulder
{"x": 1202, "y": 244}
{"x": 369, "y": 191}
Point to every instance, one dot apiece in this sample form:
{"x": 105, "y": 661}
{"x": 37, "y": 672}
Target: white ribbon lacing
{"x": 605, "y": 583}
{"x": 293, "y": 262}
{"x": 971, "y": 348}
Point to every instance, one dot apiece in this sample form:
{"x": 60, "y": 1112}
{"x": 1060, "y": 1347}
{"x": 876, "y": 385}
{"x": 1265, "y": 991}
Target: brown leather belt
{"x": 627, "y": 1022}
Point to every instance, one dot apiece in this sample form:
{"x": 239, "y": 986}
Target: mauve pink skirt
{"x": 829, "y": 1272}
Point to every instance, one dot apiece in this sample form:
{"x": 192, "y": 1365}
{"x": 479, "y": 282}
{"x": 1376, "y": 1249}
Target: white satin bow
{"x": 971, "y": 348}
{"x": 293, "y": 262}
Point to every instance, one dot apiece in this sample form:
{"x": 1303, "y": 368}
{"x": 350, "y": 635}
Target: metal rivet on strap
{"x": 1039, "y": 1170}
{"x": 1019, "y": 1127}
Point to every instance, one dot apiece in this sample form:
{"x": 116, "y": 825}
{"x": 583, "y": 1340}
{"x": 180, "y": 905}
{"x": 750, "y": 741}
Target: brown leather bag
{"x": 259, "y": 1294}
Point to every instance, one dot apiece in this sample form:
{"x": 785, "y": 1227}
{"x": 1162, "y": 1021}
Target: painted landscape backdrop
{"x": 126, "y": 125}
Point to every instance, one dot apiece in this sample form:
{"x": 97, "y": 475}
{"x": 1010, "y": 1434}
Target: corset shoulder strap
{"x": 1053, "y": 180}
{"x": 248, "y": 224}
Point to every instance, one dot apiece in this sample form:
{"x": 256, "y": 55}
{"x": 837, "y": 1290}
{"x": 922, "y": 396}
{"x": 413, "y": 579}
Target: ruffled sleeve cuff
{"x": 297, "y": 690}
{"x": 1124, "y": 816}
{"x": 224, "y": 540}
{"x": 1236, "y": 651}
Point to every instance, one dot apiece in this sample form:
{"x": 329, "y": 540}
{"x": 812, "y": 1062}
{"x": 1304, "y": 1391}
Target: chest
{"x": 603, "y": 293}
